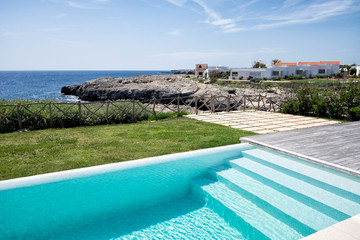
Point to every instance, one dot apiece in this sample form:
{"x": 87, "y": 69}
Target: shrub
{"x": 213, "y": 80}
{"x": 330, "y": 102}
{"x": 256, "y": 80}
{"x": 215, "y": 74}
{"x": 225, "y": 75}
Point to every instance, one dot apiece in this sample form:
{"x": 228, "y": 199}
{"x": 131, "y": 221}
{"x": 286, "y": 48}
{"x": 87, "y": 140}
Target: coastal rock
{"x": 139, "y": 88}
{"x": 171, "y": 86}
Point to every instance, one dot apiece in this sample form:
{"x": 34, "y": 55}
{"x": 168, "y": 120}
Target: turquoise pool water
{"x": 232, "y": 192}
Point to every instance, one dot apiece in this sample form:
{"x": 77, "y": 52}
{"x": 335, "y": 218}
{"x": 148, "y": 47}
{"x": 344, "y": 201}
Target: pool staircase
{"x": 266, "y": 195}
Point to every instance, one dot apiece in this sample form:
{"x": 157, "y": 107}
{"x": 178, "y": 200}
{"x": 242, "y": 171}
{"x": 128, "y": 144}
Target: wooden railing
{"x": 51, "y": 112}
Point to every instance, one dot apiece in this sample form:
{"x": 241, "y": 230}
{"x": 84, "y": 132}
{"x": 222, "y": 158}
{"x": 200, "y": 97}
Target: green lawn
{"x": 43, "y": 151}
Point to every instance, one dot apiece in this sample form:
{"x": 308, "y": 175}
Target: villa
{"x": 304, "y": 69}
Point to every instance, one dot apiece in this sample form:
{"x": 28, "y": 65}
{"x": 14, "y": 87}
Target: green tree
{"x": 258, "y": 64}
{"x": 275, "y": 61}
{"x": 215, "y": 74}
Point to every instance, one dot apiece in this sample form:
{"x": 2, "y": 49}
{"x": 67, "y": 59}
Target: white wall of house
{"x": 236, "y": 73}
{"x": 306, "y": 70}
{"x": 357, "y": 69}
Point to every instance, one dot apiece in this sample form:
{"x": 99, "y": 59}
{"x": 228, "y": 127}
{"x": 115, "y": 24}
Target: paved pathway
{"x": 261, "y": 122}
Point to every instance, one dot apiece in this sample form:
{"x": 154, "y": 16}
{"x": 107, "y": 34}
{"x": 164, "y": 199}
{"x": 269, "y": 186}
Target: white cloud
{"x": 314, "y": 12}
{"x": 178, "y": 3}
{"x": 175, "y": 32}
{"x": 214, "y": 18}
{"x": 61, "y": 15}
{"x": 78, "y": 5}
{"x": 290, "y": 12}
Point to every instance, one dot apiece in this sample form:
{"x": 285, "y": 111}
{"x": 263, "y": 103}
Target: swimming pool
{"x": 232, "y": 192}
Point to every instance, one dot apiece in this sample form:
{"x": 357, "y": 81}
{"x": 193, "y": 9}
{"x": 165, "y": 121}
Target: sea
{"x": 38, "y": 85}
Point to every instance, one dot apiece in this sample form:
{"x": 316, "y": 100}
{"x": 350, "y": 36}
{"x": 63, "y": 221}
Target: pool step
{"x": 324, "y": 201}
{"x": 344, "y": 186}
{"x": 252, "y": 221}
{"x": 301, "y": 217}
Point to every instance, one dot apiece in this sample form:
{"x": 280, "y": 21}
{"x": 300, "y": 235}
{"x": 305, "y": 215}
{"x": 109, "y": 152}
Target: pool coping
{"x": 113, "y": 167}
{"x": 347, "y": 230}
{"x": 303, "y": 157}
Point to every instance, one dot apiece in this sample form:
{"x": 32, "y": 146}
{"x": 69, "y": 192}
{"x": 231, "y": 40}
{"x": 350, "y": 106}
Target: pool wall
{"x": 31, "y": 206}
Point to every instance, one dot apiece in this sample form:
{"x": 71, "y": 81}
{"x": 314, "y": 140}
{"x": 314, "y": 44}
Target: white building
{"x": 305, "y": 69}
{"x": 357, "y": 70}
{"x": 210, "y": 69}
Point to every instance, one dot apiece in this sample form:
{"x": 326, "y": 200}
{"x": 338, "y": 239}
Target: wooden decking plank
{"x": 338, "y": 143}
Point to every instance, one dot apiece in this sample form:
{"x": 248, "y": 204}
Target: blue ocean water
{"x": 36, "y": 85}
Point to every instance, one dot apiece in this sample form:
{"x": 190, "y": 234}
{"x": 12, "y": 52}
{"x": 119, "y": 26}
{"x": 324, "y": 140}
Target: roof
{"x": 310, "y": 63}
{"x": 332, "y": 62}
{"x": 287, "y": 64}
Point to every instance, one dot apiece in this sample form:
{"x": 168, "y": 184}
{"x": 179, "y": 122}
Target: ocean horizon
{"x": 39, "y": 84}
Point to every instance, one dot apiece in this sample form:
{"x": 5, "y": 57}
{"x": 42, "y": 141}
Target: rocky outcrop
{"x": 139, "y": 88}
{"x": 169, "y": 86}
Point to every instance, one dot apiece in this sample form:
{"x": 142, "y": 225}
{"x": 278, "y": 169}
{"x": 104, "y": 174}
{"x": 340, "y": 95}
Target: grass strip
{"x": 51, "y": 150}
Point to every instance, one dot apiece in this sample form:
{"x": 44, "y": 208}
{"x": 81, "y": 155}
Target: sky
{"x": 174, "y": 34}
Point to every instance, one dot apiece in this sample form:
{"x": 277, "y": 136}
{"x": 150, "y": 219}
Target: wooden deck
{"x": 337, "y": 145}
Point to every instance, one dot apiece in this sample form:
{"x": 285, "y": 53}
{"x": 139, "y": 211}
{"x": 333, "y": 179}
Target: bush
{"x": 256, "y": 80}
{"x": 215, "y": 74}
{"x": 225, "y": 75}
{"x": 213, "y": 80}
{"x": 339, "y": 75}
{"x": 331, "y": 102}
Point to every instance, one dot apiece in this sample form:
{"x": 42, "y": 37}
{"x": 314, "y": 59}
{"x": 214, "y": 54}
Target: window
{"x": 299, "y": 72}
{"x": 200, "y": 66}
{"x": 321, "y": 71}
{"x": 275, "y": 73}
{"x": 200, "y": 73}
{"x": 235, "y": 74}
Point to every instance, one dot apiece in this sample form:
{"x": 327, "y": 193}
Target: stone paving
{"x": 260, "y": 121}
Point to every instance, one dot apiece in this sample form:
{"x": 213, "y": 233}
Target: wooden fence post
{"x": 154, "y": 112}
{"x": 133, "y": 110}
{"x": 228, "y": 103}
{"x": 80, "y": 117}
{"x": 244, "y": 102}
{"x": 212, "y": 104}
{"x": 178, "y": 106}
{"x": 19, "y": 116}
{"x": 107, "y": 112}
{"x": 196, "y": 105}
{"x": 51, "y": 118}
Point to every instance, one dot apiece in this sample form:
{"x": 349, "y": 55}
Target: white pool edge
{"x": 347, "y": 229}
{"x": 112, "y": 167}
{"x": 303, "y": 157}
